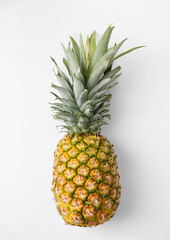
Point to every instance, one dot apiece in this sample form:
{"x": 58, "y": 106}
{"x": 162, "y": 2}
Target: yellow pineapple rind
{"x": 85, "y": 180}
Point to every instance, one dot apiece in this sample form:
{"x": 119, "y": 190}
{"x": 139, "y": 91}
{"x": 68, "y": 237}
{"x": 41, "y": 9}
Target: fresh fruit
{"x": 85, "y": 178}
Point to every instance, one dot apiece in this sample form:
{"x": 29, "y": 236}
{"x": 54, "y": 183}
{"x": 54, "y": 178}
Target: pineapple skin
{"x": 85, "y": 179}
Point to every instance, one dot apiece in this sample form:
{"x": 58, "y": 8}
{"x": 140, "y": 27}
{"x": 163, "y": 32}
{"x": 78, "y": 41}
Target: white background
{"x": 31, "y": 31}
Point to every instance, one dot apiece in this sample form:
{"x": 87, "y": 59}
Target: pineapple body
{"x": 85, "y": 179}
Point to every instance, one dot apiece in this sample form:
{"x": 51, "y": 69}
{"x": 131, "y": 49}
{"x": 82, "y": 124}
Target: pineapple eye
{"x": 104, "y": 188}
{"x": 61, "y": 179}
{"x": 91, "y": 184}
{"x": 89, "y": 212}
{"x": 69, "y": 173}
{"x": 104, "y": 166}
{"x": 76, "y": 218}
{"x": 81, "y": 193}
{"x": 69, "y": 187}
{"x": 96, "y": 174}
{"x": 101, "y": 155}
{"x": 83, "y": 170}
{"x": 82, "y": 157}
{"x": 73, "y": 152}
{"x": 73, "y": 163}
{"x": 79, "y": 180}
{"x": 93, "y": 163}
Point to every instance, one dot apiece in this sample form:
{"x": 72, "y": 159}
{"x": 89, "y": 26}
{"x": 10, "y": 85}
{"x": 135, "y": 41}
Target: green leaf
{"x": 92, "y": 42}
{"x": 82, "y": 125}
{"x": 128, "y": 51}
{"x": 107, "y": 116}
{"x": 68, "y": 102}
{"x": 62, "y": 74}
{"x": 96, "y": 74}
{"x": 100, "y": 67}
{"x": 98, "y": 106}
{"x": 95, "y": 127}
{"x": 83, "y": 122}
{"x": 76, "y": 48}
{"x": 68, "y": 123}
{"x": 72, "y": 61}
{"x": 64, "y": 84}
{"x": 98, "y": 87}
{"x": 65, "y": 50}
{"x": 64, "y": 126}
{"x": 95, "y": 118}
{"x": 103, "y": 108}
{"x": 109, "y": 55}
{"x": 66, "y": 117}
{"x": 66, "y": 65}
{"x": 79, "y": 76}
{"x": 104, "y": 98}
{"x": 77, "y": 87}
{"x": 101, "y": 48}
{"x": 82, "y": 97}
{"x": 112, "y": 73}
{"x": 116, "y": 48}
{"x": 83, "y": 119}
{"x": 65, "y": 107}
{"x": 103, "y": 92}
{"x": 76, "y": 130}
{"x": 108, "y": 70}
{"x": 102, "y": 85}
{"x": 101, "y": 112}
{"x": 85, "y": 104}
{"x": 101, "y": 103}
{"x": 88, "y": 111}
{"x": 63, "y": 92}
{"x": 55, "y": 95}
{"x": 87, "y": 51}
{"x": 59, "y": 110}
{"x": 69, "y": 128}
{"x": 82, "y": 57}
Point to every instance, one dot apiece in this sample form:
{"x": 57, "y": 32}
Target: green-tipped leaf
{"x": 92, "y": 42}
{"x": 82, "y": 57}
{"x": 82, "y": 97}
{"x": 66, "y": 65}
{"x": 77, "y": 87}
{"x": 66, "y": 108}
{"x": 102, "y": 85}
{"x": 128, "y": 51}
{"x": 72, "y": 61}
{"x": 103, "y": 92}
{"x": 76, "y": 48}
{"x": 112, "y": 73}
{"x": 63, "y": 92}
{"x": 62, "y": 74}
{"x": 87, "y": 51}
{"x": 64, "y": 84}
{"x": 101, "y": 48}
{"x": 86, "y": 104}
{"x": 96, "y": 74}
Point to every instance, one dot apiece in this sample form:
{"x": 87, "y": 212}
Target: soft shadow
{"x": 127, "y": 180}
{"x": 127, "y": 170}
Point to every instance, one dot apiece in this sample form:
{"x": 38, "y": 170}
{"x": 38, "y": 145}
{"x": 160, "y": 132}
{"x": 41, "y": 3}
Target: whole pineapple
{"x": 85, "y": 178}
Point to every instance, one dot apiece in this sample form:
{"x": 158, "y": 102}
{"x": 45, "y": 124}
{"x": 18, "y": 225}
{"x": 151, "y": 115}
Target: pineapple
{"x": 86, "y": 183}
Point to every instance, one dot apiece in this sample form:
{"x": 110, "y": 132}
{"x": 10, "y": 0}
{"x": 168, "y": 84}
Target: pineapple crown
{"x": 82, "y": 99}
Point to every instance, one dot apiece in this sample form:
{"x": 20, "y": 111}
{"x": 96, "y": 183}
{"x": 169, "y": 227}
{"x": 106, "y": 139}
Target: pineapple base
{"x": 86, "y": 180}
